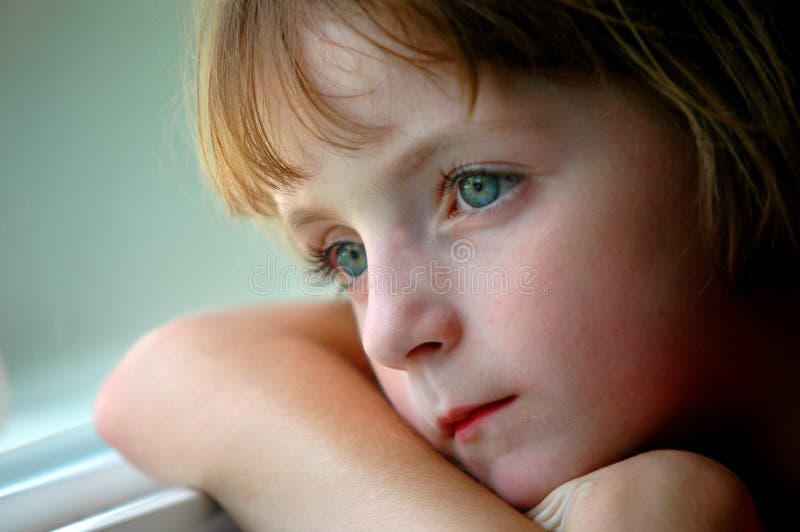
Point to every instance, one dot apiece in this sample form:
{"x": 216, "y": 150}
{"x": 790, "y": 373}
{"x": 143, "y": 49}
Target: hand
{"x": 663, "y": 490}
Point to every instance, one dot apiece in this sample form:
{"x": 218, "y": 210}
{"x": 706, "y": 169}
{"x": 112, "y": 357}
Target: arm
{"x": 274, "y": 412}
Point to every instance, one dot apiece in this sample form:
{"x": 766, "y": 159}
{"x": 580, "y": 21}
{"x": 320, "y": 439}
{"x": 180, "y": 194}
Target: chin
{"x": 519, "y": 492}
{"x": 523, "y": 482}
{"x": 524, "y": 477}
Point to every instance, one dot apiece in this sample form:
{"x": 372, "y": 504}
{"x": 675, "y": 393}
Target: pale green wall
{"x": 105, "y": 227}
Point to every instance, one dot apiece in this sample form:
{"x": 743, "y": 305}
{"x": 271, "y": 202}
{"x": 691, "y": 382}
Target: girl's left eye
{"x": 478, "y": 188}
{"x": 340, "y": 262}
{"x": 351, "y": 258}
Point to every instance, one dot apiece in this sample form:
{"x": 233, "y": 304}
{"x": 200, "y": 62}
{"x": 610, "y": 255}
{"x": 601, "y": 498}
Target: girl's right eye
{"x": 341, "y": 262}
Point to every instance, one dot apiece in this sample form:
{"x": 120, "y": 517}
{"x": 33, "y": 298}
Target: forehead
{"x": 360, "y": 79}
{"x": 410, "y": 112}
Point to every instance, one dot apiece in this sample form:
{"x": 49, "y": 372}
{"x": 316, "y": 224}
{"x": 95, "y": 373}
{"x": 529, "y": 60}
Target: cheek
{"x": 612, "y": 318}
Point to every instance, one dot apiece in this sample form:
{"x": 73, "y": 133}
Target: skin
{"x": 283, "y": 424}
{"x": 628, "y": 344}
{"x": 636, "y": 346}
{"x": 255, "y": 406}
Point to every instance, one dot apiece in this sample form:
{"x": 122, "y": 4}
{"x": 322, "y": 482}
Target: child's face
{"x": 601, "y": 335}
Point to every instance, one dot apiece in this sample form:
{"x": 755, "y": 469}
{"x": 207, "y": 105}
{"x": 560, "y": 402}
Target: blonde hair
{"x": 720, "y": 66}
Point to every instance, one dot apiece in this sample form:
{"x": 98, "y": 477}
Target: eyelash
{"x": 322, "y": 270}
{"x": 451, "y": 179}
{"x": 319, "y": 257}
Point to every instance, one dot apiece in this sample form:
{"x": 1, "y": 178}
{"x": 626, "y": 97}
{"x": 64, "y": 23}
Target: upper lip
{"x": 447, "y": 422}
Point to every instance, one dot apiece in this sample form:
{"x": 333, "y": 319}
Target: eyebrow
{"x": 408, "y": 162}
{"x": 300, "y": 218}
{"x": 414, "y": 159}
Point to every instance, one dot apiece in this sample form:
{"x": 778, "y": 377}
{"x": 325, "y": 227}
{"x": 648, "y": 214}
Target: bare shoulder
{"x": 664, "y": 490}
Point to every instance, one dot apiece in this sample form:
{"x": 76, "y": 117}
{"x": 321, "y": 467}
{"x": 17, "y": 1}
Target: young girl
{"x": 567, "y": 231}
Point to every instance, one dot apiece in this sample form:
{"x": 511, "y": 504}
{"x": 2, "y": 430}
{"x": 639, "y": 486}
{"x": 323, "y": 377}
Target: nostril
{"x": 427, "y": 347}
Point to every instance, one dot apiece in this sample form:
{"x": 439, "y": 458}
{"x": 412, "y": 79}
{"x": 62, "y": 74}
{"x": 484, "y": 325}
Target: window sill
{"x": 72, "y": 481}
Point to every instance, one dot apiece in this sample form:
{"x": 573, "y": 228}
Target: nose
{"x": 401, "y": 329}
{"x": 406, "y": 319}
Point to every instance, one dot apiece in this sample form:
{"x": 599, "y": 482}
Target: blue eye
{"x": 339, "y": 262}
{"x": 351, "y": 258}
{"x": 478, "y": 188}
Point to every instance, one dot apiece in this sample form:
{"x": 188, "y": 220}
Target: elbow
{"x": 135, "y": 408}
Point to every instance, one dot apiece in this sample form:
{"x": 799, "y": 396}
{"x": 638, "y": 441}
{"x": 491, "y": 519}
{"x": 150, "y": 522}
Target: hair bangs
{"x": 724, "y": 73}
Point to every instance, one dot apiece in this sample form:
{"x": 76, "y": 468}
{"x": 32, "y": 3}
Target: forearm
{"x": 345, "y": 461}
{"x": 289, "y": 436}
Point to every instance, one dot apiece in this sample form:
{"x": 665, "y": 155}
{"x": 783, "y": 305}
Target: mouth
{"x": 458, "y": 422}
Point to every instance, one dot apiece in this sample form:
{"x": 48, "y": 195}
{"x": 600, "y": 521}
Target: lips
{"x": 458, "y": 420}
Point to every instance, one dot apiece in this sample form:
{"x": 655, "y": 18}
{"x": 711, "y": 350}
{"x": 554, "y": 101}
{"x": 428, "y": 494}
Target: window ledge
{"x": 72, "y": 481}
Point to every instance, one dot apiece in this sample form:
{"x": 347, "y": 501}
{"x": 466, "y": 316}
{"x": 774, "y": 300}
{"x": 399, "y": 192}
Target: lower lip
{"x": 464, "y": 428}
